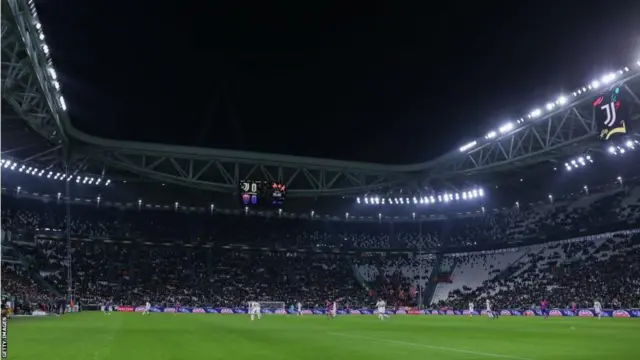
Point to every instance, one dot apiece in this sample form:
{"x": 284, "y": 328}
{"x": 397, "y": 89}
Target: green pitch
{"x": 130, "y": 336}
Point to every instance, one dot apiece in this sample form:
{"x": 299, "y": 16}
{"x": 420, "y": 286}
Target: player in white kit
{"x": 597, "y": 307}
{"x": 489, "y": 312}
{"x": 382, "y": 309}
{"x": 299, "y": 306}
{"x": 471, "y": 309}
{"x": 254, "y": 310}
{"x": 334, "y": 309}
{"x": 147, "y": 309}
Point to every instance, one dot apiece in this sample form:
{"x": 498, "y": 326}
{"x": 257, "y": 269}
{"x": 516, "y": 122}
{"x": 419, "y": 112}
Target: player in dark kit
{"x": 544, "y": 308}
{"x": 107, "y": 308}
{"x": 494, "y": 311}
{"x": 177, "y": 308}
{"x": 328, "y": 308}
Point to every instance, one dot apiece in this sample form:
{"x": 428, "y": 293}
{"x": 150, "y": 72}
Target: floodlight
{"x": 505, "y": 128}
{"x": 608, "y": 78}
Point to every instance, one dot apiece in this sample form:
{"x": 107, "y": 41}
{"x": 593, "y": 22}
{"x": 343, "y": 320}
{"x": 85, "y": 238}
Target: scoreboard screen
{"x": 612, "y": 112}
{"x": 262, "y": 194}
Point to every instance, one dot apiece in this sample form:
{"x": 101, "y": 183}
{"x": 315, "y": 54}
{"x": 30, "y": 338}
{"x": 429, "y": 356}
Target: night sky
{"x": 355, "y": 81}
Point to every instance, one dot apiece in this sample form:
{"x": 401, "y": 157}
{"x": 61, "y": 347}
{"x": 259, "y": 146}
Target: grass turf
{"x": 92, "y": 335}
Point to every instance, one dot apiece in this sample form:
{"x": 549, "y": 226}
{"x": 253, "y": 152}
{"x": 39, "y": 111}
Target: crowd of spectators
{"x": 131, "y": 256}
{"x": 131, "y": 273}
{"x": 21, "y": 289}
{"x": 16, "y": 281}
{"x": 611, "y": 209}
{"x": 605, "y": 269}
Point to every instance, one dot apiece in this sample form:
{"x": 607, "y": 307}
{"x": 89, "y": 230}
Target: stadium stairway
{"x": 430, "y": 289}
{"x": 34, "y": 272}
{"x": 359, "y": 277}
{"x": 512, "y": 268}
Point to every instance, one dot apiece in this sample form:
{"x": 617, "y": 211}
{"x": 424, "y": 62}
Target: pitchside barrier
{"x": 623, "y": 313}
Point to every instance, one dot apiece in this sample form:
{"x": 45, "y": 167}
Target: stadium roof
{"x": 554, "y": 130}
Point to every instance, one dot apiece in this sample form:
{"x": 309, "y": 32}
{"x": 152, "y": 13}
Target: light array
{"x": 35, "y": 171}
{"x": 629, "y": 145}
{"x": 50, "y": 71}
{"x": 422, "y": 200}
{"x": 468, "y": 146}
{"x": 578, "y": 162}
{"x": 553, "y": 105}
{"x": 507, "y": 127}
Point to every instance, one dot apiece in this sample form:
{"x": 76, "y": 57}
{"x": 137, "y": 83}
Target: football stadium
{"x": 523, "y": 243}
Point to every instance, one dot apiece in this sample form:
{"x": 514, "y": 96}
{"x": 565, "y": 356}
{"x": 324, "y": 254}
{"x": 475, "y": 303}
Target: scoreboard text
{"x": 262, "y": 194}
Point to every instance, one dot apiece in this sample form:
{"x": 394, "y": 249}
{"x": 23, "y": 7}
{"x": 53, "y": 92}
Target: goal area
{"x": 271, "y": 305}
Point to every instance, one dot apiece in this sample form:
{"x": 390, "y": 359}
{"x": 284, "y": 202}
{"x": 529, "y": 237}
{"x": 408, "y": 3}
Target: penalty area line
{"x": 429, "y": 346}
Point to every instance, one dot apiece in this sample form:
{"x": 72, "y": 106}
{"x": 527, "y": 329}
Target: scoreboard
{"x": 262, "y": 194}
{"x": 612, "y": 113}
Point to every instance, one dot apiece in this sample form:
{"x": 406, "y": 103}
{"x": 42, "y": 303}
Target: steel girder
{"x": 23, "y": 64}
{"x": 560, "y": 133}
{"x": 224, "y": 175}
{"x": 28, "y": 87}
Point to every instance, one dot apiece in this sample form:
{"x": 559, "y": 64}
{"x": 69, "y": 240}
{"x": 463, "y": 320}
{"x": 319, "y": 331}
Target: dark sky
{"x": 356, "y": 81}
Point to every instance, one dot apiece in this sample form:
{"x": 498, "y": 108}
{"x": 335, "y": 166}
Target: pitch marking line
{"x": 430, "y": 346}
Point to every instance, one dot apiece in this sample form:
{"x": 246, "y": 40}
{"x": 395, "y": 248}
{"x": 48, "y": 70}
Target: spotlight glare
{"x": 562, "y": 100}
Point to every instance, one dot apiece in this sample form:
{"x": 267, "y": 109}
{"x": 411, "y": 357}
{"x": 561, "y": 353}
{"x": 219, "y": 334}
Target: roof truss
{"x": 560, "y": 133}
{"x": 28, "y": 87}
{"x": 225, "y": 175}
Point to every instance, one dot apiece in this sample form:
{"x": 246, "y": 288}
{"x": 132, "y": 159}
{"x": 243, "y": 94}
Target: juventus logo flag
{"x": 611, "y": 113}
